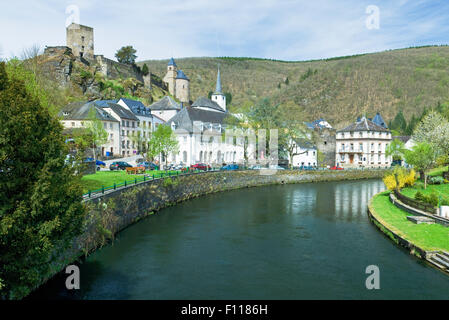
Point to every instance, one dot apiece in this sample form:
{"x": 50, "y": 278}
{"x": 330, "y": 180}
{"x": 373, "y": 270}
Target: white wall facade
{"x": 363, "y": 149}
{"x": 111, "y": 127}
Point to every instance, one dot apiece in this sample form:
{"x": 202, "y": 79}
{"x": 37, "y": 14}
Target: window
{"x": 73, "y": 124}
{"x": 127, "y": 123}
{"x": 111, "y": 125}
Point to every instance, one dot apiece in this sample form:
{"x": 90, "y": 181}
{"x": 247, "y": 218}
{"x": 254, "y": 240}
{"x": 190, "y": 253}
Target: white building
{"x": 165, "y": 109}
{"x": 76, "y": 115}
{"x": 363, "y": 144}
{"x": 304, "y": 154}
{"x": 202, "y": 136}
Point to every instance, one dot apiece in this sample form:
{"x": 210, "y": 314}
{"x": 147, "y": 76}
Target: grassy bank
{"x": 108, "y": 178}
{"x": 428, "y": 237}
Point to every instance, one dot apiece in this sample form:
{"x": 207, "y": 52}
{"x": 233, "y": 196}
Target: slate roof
{"x": 80, "y": 111}
{"x": 122, "y": 112}
{"x": 181, "y": 75}
{"x": 184, "y": 119}
{"x": 166, "y": 103}
{"x": 207, "y": 103}
{"x": 172, "y": 62}
{"x": 137, "y": 107}
{"x": 315, "y": 124}
{"x": 305, "y": 144}
{"x": 364, "y": 125}
{"x": 380, "y": 121}
{"x": 218, "y": 86}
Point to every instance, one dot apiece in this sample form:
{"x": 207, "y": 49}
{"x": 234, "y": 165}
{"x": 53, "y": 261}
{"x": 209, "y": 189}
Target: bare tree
{"x": 31, "y": 57}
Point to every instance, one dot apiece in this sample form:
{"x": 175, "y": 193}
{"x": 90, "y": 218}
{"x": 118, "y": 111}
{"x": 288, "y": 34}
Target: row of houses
{"x": 204, "y": 135}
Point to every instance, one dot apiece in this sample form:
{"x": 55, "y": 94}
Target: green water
{"x": 304, "y": 241}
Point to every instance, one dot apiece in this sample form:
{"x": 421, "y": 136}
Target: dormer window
{"x": 65, "y": 113}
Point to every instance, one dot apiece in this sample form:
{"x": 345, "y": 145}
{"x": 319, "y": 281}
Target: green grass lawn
{"x": 427, "y": 237}
{"x": 439, "y": 189}
{"x": 438, "y": 171}
{"x": 108, "y": 178}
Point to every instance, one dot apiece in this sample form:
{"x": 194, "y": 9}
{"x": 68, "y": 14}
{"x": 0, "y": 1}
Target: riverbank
{"x": 112, "y": 212}
{"x": 422, "y": 240}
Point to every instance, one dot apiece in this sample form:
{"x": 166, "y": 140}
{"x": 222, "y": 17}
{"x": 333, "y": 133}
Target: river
{"x": 303, "y": 241}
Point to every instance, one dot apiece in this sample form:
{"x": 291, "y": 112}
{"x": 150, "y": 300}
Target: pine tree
{"x": 40, "y": 197}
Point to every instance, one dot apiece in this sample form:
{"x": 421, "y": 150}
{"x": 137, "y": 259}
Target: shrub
{"x": 390, "y": 182}
{"x": 436, "y": 180}
{"x": 399, "y": 178}
{"x": 430, "y": 199}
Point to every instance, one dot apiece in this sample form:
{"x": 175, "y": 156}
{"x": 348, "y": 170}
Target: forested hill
{"x": 337, "y": 89}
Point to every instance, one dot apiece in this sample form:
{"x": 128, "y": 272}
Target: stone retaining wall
{"x": 112, "y": 212}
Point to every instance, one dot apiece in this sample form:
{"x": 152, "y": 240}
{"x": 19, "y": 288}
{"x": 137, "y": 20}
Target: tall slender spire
{"x": 218, "y": 87}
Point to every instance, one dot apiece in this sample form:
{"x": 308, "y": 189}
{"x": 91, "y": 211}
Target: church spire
{"x": 218, "y": 87}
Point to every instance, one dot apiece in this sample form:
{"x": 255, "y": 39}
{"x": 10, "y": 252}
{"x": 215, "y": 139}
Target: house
{"x": 323, "y": 135}
{"x": 304, "y": 154}
{"x": 129, "y": 126}
{"x": 200, "y": 129}
{"x": 363, "y": 144}
{"x": 76, "y": 115}
{"x": 165, "y": 108}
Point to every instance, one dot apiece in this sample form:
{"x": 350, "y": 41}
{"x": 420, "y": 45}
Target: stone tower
{"x": 81, "y": 40}
{"x": 218, "y": 95}
{"x": 182, "y": 88}
{"x": 170, "y": 77}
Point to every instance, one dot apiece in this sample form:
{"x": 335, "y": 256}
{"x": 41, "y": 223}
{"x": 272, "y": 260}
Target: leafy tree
{"x": 97, "y": 135}
{"x": 126, "y": 55}
{"x": 40, "y": 197}
{"x": 399, "y": 123}
{"x": 145, "y": 70}
{"x": 396, "y": 150}
{"x": 163, "y": 141}
{"x": 421, "y": 157}
{"x": 433, "y": 129}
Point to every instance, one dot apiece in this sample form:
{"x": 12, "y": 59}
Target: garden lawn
{"x": 108, "y": 178}
{"x": 439, "y": 189}
{"x": 433, "y": 237}
{"x": 438, "y": 171}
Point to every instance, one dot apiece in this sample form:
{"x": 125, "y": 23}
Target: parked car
{"x": 119, "y": 165}
{"x": 98, "y": 163}
{"x": 176, "y": 167}
{"x": 306, "y": 168}
{"x": 200, "y": 166}
{"x": 336, "y": 168}
{"x": 275, "y": 167}
{"x": 257, "y": 167}
{"x": 148, "y": 165}
{"x": 230, "y": 167}
{"x": 140, "y": 160}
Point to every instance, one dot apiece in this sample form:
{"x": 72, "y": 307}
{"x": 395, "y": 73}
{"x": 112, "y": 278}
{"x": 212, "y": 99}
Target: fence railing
{"x": 415, "y": 203}
{"x": 143, "y": 178}
{"x": 160, "y": 175}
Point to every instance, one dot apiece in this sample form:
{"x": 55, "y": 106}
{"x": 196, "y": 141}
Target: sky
{"x": 275, "y": 29}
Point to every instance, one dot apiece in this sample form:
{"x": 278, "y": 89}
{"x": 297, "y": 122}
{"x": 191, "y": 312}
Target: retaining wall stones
{"x": 114, "y": 211}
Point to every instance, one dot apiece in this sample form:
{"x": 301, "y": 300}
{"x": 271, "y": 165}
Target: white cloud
{"x": 282, "y": 29}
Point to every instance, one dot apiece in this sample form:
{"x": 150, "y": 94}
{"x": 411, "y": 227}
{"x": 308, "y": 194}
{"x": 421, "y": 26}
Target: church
{"x": 201, "y": 127}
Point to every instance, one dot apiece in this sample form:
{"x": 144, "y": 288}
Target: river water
{"x": 303, "y": 241}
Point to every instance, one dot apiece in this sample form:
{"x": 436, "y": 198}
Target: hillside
{"x": 337, "y": 89}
